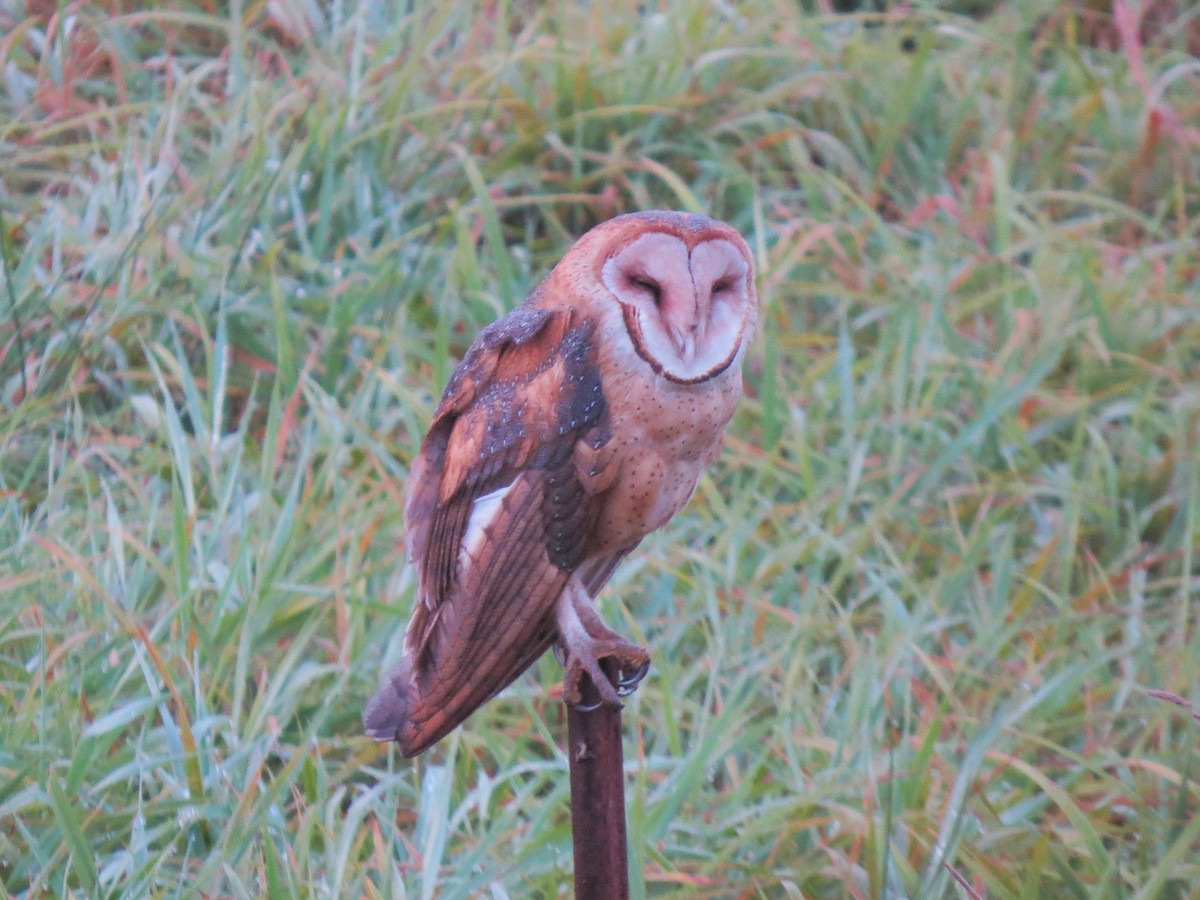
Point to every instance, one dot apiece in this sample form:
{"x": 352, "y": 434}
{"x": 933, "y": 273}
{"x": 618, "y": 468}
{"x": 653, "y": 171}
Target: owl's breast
{"x": 663, "y": 435}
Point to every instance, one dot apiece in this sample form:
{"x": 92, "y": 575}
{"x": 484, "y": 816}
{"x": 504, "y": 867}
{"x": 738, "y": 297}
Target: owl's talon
{"x": 627, "y": 682}
{"x": 631, "y": 663}
{"x": 589, "y": 707}
{"x": 576, "y": 668}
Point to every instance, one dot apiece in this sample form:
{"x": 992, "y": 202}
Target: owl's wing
{"x": 502, "y": 500}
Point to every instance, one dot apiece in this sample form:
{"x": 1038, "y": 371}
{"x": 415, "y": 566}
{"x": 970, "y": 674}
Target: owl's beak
{"x": 685, "y": 326}
{"x": 684, "y": 341}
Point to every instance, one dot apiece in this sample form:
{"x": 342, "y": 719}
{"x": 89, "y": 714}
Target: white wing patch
{"x": 483, "y": 511}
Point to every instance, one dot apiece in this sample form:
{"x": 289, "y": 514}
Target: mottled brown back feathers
{"x": 527, "y": 393}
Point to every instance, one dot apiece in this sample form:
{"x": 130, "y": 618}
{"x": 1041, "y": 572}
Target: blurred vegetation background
{"x": 928, "y": 629}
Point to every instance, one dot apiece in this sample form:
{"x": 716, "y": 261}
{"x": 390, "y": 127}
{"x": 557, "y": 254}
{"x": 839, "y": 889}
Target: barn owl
{"x": 574, "y": 426}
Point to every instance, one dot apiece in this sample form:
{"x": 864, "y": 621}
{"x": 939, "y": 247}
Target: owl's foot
{"x": 589, "y": 646}
{"x": 628, "y": 662}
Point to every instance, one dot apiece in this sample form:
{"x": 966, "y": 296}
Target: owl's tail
{"x": 402, "y": 712}
{"x": 417, "y": 712}
{"x": 387, "y": 717}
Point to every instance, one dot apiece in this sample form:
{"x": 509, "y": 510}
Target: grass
{"x": 929, "y": 628}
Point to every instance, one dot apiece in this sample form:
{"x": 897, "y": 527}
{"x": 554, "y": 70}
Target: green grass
{"x": 905, "y": 637}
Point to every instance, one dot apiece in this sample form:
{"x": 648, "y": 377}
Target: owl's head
{"x": 685, "y": 286}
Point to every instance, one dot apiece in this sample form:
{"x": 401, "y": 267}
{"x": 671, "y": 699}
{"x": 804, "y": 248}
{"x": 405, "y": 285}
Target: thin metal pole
{"x": 597, "y": 799}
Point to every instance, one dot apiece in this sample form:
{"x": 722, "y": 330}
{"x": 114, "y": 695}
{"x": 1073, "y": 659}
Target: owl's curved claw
{"x": 627, "y": 682}
{"x": 588, "y": 707}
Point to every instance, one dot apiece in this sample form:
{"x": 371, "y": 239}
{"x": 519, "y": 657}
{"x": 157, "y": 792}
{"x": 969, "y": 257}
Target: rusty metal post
{"x": 597, "y": 799}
